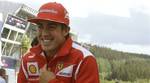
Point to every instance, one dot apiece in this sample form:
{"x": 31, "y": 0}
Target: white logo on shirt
{"x": 32, "y": 68}
{"x": 66, "y": 72}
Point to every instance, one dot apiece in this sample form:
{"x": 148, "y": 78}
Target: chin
{"x": 48, "y": 48}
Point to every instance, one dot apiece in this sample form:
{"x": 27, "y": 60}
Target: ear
{"x": 66, "y": 31}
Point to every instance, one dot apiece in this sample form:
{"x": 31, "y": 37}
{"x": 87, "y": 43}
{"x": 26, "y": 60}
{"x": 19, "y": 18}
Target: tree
{"x": 25, "y": 44}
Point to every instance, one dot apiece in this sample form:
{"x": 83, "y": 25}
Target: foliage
{"x": 25, "y": 44}
{"x": 121, "y": 65}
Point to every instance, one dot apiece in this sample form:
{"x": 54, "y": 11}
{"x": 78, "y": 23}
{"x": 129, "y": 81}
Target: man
{"x": 2, "y": 75}
{"x": 56, "y": 59}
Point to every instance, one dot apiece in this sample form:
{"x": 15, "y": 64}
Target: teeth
{"x": 46, "y": 40}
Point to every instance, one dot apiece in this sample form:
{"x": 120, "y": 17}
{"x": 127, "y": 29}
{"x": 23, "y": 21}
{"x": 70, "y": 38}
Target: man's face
{"x": 51, "y": 35}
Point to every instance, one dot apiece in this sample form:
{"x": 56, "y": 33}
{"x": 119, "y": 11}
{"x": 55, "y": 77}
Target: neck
{"x": 49, "y": 53}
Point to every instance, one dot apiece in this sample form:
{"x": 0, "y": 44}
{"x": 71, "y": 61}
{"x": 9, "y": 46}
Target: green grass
{"x": 138, "y": 81}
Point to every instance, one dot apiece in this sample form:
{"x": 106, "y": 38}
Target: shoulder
{"x": 28, "y": 56}
{"x": 2, "y": 80}
{"x": 81, "y": 51}
{"x": 36, "y": 50}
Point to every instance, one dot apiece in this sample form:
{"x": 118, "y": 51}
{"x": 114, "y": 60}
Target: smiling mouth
{"x": 46, "y": 41}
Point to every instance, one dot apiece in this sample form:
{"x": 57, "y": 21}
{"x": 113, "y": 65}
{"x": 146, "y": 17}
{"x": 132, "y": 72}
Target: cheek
{"x": 39, "y": 34}
{"x": 62, "y": 37}
{"x": 44, "y": 33}
{"x": 58, "y": 36}
{"x": 39, "y": 31}
{"x": 62, "y": 34}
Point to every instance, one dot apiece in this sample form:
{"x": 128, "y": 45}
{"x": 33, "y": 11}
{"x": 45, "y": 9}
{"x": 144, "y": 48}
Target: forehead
{"x": 47, "y": 22}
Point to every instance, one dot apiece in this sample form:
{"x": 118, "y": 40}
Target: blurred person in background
{"x": 34, "y": 42}
{"x": 2, "y": 75}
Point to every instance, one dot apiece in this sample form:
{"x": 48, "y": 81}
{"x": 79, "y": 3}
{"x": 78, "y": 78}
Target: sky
{"x": 119, "y": 24}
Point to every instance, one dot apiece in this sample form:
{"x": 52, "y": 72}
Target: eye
{"x": 39, "y": 25}
{"x": 52, "y": 26}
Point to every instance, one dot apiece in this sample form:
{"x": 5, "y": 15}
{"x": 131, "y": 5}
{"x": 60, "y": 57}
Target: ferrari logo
{"x": 60, "y": 66}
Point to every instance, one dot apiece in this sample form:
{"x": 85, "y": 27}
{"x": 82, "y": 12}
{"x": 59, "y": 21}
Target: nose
{"x": 45, "y": 33}
{"x": 45, "y": 36}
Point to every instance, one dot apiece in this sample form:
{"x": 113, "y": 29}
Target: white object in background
{"x": 1, "y": 23}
